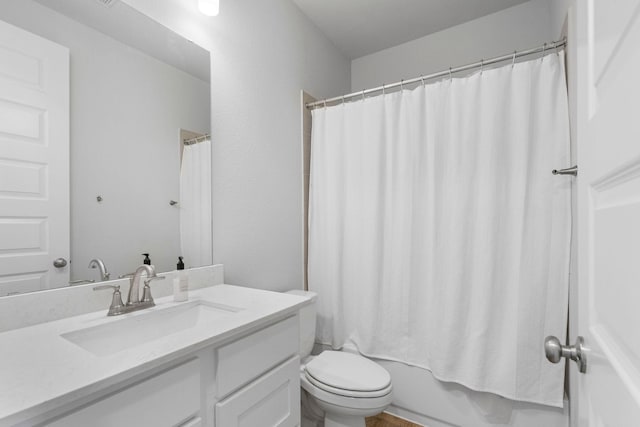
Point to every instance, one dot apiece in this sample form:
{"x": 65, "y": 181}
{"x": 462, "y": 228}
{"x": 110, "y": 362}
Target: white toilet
{"x": 343, "y": 387}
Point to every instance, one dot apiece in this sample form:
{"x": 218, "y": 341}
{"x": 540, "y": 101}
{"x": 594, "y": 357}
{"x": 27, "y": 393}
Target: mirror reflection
{"x": 94, "y": 167}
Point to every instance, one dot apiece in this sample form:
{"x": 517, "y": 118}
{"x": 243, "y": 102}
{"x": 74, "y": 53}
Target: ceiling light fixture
{"x": 209, "y": 7}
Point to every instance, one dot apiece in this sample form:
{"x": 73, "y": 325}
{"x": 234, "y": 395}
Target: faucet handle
{"x": 128, "y": 275}
{"x": 116, "y": 307}
{"x": 152, "y": 278}
{"x": 146, "y": 291}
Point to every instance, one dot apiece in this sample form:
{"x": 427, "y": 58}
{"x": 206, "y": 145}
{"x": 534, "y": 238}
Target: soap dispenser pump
{"x": 180, "y": 283}
{"x": 146, "y": 260}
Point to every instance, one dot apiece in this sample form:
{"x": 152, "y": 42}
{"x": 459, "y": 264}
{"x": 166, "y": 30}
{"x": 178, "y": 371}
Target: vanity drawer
{"x": 247, "y": 358}
{"x": 271, "y": 401}
{"x": 166, "y": 399}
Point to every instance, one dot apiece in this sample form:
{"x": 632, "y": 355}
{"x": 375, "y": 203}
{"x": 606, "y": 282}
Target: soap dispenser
{"x": 180, "y": 283}
{"x": 146, "y": 260}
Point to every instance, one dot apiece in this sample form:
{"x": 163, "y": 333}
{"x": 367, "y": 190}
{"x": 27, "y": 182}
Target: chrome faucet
{"x": 99, "y": 264}
{"x": 133, "y": 300}
{"x": 134, "y": 289}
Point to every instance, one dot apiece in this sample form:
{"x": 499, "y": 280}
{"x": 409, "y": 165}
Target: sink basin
{"x": 145, "y": 326}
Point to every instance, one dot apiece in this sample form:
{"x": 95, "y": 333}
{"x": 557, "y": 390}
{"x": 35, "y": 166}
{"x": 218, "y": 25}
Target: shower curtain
{"x": 195, "y": 204}
{"x": 438, "y": 236}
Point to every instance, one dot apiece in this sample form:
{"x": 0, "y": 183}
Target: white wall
{"x": 126, "y": 112}
{"x": 263, "y": 54}
{"x": 516, "y": 28}
{"x": 558, "y": 10}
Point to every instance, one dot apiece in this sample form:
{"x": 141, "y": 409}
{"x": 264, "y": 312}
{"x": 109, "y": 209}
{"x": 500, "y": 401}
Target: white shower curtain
{"x": 195, "y": 205}
{"x": 438, "y": 235}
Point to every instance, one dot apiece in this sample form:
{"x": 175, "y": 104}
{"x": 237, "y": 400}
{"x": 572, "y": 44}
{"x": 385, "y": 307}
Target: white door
{"x": 607, "y": 37}
{"x": 34, "y": 161}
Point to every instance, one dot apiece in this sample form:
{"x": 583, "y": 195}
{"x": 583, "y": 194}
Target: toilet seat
{"x": 348, "y": 375}
{"x": 363, "y": 406}
{"x": 347, "y": 393}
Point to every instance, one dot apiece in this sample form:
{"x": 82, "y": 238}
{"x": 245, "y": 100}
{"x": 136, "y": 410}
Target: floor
{"x": 387, "y": 420}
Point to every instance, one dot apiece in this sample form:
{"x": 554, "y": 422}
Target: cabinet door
{"x": 166, "y": 399}
{"x": 247, "y": 358}
{"x": 273, "y": 400}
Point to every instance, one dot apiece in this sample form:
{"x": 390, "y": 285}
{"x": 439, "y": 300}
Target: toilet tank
{"x": 307, "y": 322}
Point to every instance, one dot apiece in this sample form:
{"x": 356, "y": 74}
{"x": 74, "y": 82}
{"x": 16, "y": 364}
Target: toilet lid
{"x": 346, "y": 371}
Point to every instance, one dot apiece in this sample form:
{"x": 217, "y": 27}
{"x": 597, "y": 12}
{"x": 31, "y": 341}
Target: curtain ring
{"x": 544, "y": 48}
{"x": 383, "y": 88}
{"x": 481, "y": 66}
{"x": 325, "y": 103}
{"x": 450, "y": 76}
{"x": 363, "y": 94}
{"x": 342, "y": 99}
{"x": 422, "y": 80}
{"x": 401, "y": 84}
{"x": 513, "y": 62}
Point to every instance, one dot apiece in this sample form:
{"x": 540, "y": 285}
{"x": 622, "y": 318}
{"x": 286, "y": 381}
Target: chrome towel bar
{"x": 573, "y": 170}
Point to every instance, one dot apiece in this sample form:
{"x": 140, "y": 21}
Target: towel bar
{"x": 573, "y": 170}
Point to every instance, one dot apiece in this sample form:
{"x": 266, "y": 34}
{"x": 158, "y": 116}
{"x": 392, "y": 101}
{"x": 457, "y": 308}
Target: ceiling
{"x": 131, "y": 27}
{"x": 361, "y": 27}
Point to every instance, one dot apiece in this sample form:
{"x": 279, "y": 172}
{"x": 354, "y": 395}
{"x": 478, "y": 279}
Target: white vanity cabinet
{"x": 251, "y": 380}
{"x": 273, "y": 399}
{"x": 168, "y": 398}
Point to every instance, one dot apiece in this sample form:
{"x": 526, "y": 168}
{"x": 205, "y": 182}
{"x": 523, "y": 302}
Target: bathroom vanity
{"x": 227, "y": 355}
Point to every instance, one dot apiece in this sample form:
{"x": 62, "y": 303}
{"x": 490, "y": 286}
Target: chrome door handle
{"x": 555, "y": 351}
{"x": 60, "y": 263}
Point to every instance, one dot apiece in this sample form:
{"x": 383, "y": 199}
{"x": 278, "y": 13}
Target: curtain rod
{"x": 197, "y": 139}
{"x": 513, "y": 56}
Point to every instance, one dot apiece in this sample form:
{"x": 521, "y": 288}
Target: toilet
{"x": 342, "y": 388}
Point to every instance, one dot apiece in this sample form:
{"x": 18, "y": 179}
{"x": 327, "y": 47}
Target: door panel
{"x": 616, "y": 125}
{"x": 606, "y": 36}
{"x": 610, "y": 24}
{"x": 20, "y": 66}
{"x": 34, "y": 161}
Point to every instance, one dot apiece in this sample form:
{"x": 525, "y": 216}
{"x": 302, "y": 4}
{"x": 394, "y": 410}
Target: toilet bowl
{"x": 342, "y": 388}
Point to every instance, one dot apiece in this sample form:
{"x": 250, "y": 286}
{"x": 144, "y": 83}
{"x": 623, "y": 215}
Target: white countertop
{"x": 40, "y": 370}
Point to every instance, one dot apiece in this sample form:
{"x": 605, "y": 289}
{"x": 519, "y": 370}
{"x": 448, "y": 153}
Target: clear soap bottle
{"x": 180, "y": 283}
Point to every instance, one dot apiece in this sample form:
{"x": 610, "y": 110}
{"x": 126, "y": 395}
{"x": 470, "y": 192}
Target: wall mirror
{"x": 136, "y": 92}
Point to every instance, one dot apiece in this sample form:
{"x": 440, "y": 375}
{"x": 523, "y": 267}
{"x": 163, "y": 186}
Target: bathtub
{"x": 420, "y": 398}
